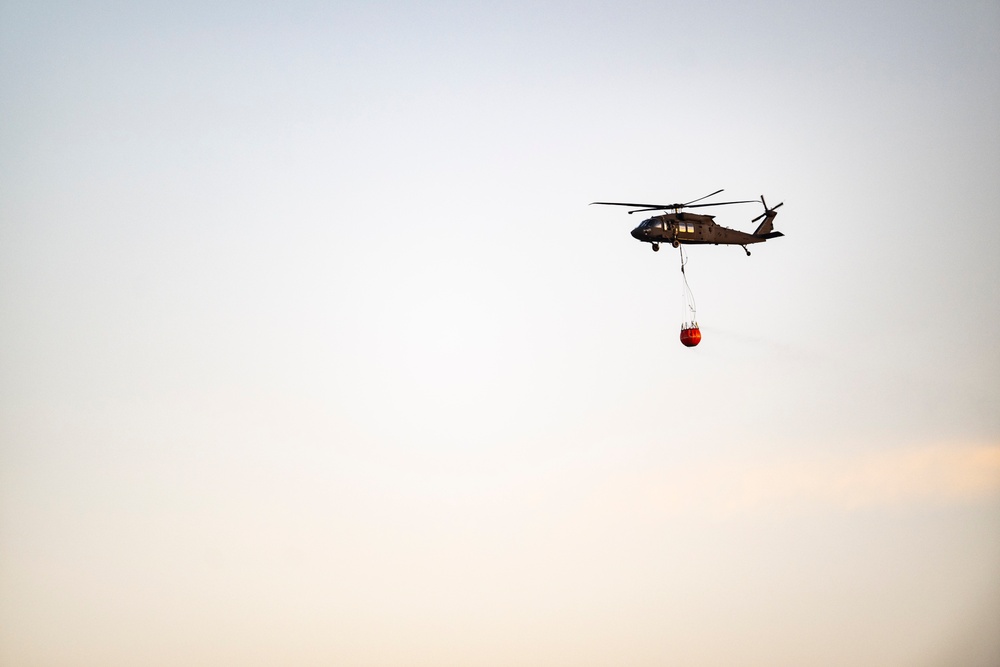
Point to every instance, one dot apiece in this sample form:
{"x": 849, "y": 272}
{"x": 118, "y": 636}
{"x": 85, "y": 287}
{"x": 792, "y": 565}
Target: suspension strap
{"x": 689, "y": 303}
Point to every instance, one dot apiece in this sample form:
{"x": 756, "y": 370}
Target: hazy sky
{"x": 312, "y": 352}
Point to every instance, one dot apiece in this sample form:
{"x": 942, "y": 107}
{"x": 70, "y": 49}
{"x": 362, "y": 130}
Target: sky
{"x": 312, "y": 351}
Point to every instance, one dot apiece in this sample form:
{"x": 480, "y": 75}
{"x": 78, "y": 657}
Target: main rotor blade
{"x": 651, "y": 208}
{"x": 619, "y": 203}
{"x": 705, "y": 197}
{"x": 661, "y": 207}
{"x": 721, "y": 203}
{"x": 668, "y": 207}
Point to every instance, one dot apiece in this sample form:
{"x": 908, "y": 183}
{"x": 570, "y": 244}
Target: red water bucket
{"x": 691, "y": 336}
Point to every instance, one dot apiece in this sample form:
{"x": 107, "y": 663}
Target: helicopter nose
{"x": 637, "y": 233}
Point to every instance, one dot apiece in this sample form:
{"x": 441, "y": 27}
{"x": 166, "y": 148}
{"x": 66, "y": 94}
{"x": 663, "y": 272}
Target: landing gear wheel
{"x": 656, "y": 247}
{"x": 676, "y": 244}
{"x": 745, "y": 250}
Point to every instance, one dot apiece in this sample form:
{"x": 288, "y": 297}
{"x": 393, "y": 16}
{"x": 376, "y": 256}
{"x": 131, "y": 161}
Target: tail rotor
{"x": 768, "y": 212}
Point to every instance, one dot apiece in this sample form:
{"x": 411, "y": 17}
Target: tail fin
{"x": 766, "y": 228}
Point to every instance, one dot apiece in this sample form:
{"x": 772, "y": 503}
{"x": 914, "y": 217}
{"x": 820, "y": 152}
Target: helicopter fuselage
{"x": 693, "y": 228}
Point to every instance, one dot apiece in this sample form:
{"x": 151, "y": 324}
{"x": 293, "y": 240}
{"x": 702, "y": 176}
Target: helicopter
{"x": 676, "y": 226}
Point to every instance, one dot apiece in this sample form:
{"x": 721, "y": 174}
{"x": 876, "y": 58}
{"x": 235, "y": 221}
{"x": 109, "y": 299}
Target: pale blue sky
{"x": 312, "y": 352}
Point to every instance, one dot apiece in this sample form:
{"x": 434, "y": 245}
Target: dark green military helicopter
{"x": 677, "y": 226}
